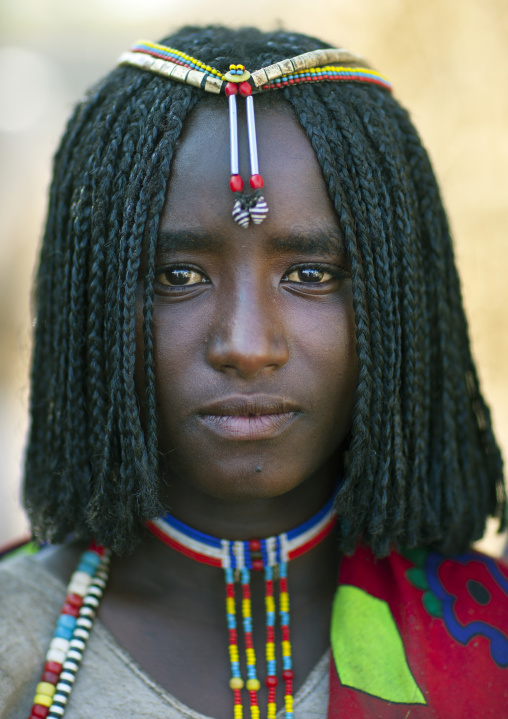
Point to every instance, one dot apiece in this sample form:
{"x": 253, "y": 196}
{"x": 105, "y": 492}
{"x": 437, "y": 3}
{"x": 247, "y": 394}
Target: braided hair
{"x": 422, "y": 465}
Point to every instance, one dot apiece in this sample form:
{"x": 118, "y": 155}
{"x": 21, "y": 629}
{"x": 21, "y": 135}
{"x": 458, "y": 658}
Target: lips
{"x": 252, "y": 417}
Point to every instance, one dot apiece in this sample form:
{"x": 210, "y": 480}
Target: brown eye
{"x": 179, "y": 277}
{"x": 309, "y": 275}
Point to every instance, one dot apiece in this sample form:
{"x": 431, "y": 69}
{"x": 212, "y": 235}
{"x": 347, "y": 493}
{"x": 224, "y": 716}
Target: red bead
{"x": 271, "y": 681}
{"x": 236, "y": 183}
{"x": 270, "y": 634}
{"x": 39, "y": 711}
{"x": 256, "y": 182}
{"x": 230, "y": 590}
{"x": 288, "y": 675}
{"x": 231, "y": 89}
{"x": 257, "y": 565}
{"x": 255, "y": 545}
{"x": 269, "y": 587}
{"x": 54, "y": 667}
{"x": 283, "y": 584}
{"x": 245, "y": 89}
{"x": 233, "y": 636}
{"x": 74, "y": 599}
{"x": 70, "y": 609}
{"x": 285, "y": 633}
{"x": 97, "y": 548}
{"x": 246, "y": 591}
{"x": 50, "y": 677}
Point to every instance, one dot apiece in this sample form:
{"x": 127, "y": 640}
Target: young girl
{"x": 253, "y": 392}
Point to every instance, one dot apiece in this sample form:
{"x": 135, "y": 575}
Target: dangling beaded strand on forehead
{"x": 315, "y": 66}
{"x": 238, "y": 559}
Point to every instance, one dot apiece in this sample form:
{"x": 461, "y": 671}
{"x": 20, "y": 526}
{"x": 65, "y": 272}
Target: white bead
{"x": 77, "y": 588}
{"x": 63, "y": 689}
{"x": 57, "y": 710}
{"x": 55, "y": 655}
{"x": 68, "y": 677}
{"x": 81, "y": 578}
{"x": 75, "y": 655}
{"x": 81, "y": 634}
{"x": 91, "y": 602}
{"x": 87, "y": 612}
{"x": 84, "y": 622}
{"x": 60, "y": 643}
{"x": 62, "y": 698}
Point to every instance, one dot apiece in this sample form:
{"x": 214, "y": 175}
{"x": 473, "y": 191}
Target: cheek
{"x": 327, "y": 343}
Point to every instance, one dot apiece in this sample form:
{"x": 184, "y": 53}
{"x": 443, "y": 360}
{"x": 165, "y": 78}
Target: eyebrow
{"x": 306, "y": 242}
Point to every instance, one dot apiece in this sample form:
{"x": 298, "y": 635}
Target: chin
{"x": 254, "y": 479}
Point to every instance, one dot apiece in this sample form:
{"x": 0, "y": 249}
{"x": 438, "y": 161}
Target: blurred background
{"x": 447, "y": 59}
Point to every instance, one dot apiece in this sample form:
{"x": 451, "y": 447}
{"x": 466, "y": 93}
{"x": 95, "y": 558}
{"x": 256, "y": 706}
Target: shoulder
{"x": 440, "y": 622}
{"x": 29, "y": 599}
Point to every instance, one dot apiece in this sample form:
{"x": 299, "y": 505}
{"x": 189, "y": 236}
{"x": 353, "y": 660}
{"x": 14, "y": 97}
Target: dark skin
{"x": 256, "y": 372}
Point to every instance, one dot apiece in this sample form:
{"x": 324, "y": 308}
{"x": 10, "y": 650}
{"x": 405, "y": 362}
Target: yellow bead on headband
{"x": 316, "y": 66}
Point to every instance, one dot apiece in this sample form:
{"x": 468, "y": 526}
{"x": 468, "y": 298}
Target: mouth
{"x": 251, "y": 418}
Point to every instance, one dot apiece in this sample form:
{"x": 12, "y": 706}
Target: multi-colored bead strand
{"x": 170, "y": 54}
{"x": 330, "y": 74}
{"x": 239, "y": 559}
{"x": 65, "y": 653}
{"x": 287, "y": 662}
{"x": 236, "y": 681}
{"x": 271, "y": 680}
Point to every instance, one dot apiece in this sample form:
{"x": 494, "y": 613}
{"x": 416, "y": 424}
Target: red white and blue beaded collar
{"x": 326, "y": 65}
{"x": 255, "y": 554}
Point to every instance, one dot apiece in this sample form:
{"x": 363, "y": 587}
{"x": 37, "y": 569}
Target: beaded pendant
{"x": 252, "y": 207}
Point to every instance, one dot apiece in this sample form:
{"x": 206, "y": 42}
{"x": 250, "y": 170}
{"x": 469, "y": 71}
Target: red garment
{"x": 419, "y": 635}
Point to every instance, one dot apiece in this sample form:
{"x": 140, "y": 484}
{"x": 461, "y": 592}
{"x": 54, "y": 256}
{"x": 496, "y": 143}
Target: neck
{"x": 253, "y": 516}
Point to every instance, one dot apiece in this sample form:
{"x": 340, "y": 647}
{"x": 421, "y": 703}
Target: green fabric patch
{"x": 25, "y": 549}
{"x": 368, "y": 650}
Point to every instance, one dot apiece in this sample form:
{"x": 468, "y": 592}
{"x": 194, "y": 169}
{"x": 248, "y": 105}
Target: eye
{"x": 180, "y": 277}
{"x": 309, "y": 275}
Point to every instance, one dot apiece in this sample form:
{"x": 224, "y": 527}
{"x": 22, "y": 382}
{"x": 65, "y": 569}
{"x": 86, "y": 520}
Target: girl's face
{"x": 254, "y": 335}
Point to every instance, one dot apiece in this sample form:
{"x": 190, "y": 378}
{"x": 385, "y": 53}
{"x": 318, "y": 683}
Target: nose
{"x": 247, "y": 334}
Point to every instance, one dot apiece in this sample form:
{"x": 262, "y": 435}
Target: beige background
{"x": 448, "y": 60}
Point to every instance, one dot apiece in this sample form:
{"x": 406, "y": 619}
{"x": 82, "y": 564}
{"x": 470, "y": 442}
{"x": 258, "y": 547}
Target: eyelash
{"x": 335, "y": 272}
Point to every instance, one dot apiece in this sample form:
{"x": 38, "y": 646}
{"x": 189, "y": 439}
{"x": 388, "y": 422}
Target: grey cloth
{"x": 109, "y": 683}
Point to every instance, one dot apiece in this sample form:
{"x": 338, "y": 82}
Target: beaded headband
{"x": 316, "y": 66}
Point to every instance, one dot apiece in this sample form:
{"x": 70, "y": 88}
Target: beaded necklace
{"x": 238, "y": 559}
{"x": 73, "y": 627}
{"x": 316, "y": 66}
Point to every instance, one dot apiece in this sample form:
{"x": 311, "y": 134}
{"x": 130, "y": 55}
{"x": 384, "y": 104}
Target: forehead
{"x": 199, "y": 196}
